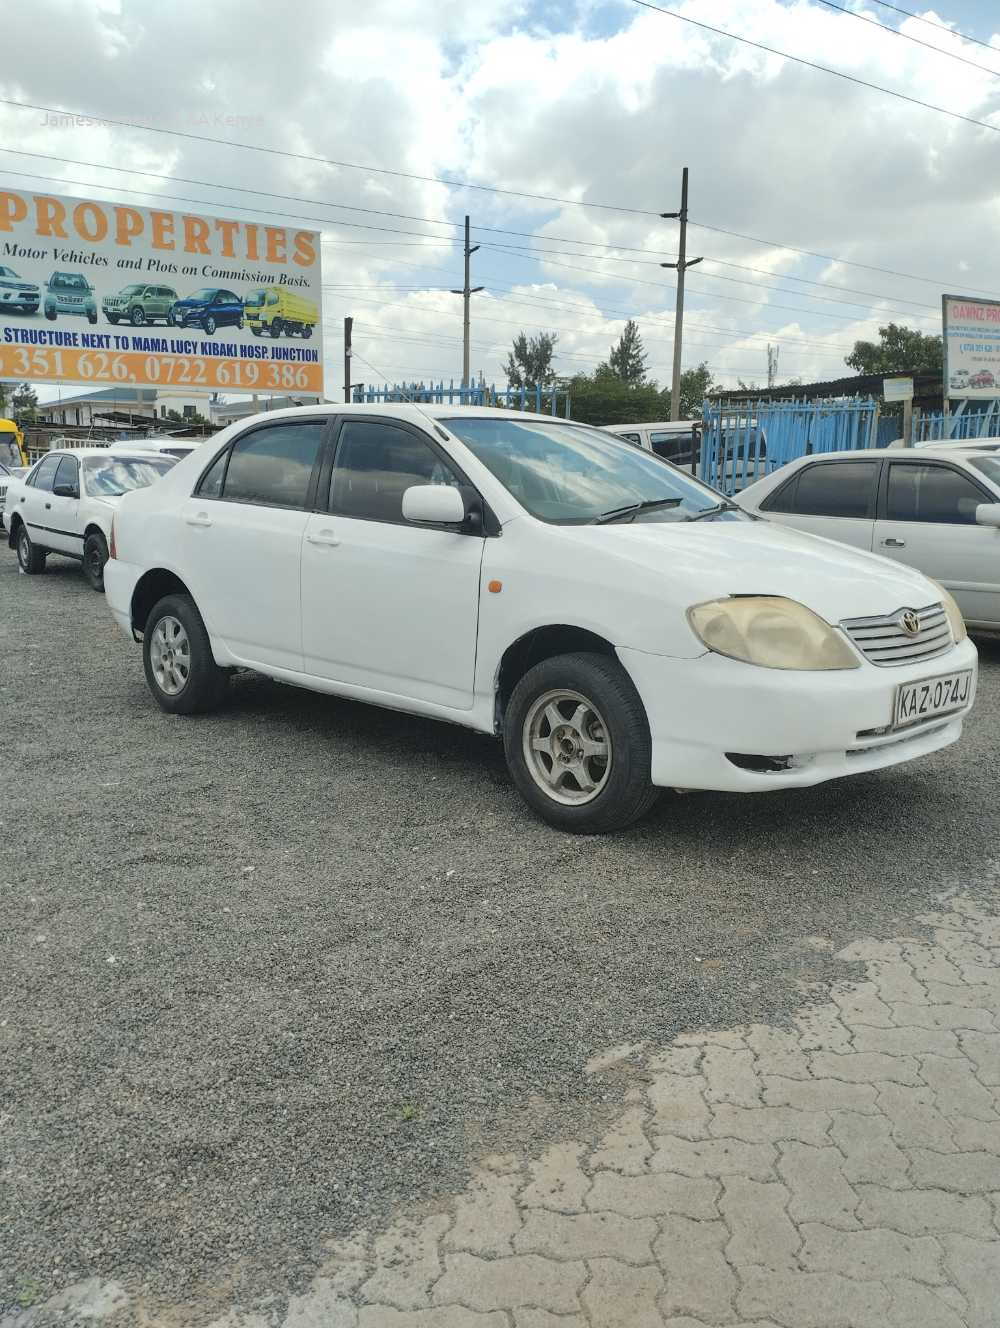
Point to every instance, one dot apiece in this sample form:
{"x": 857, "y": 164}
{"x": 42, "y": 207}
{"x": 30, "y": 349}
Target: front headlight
{"x": 770, "y": 631}
{"x": 955, "y": 620}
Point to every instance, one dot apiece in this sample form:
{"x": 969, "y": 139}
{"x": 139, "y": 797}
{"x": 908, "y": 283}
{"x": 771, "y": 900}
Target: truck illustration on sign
{"x": 274, "y": 310}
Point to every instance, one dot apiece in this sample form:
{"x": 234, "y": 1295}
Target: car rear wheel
{"x": 577, "y": 744}
{"x": 307, "y": 331}
{"x": 95, "y": 555}
{"x": 30, "y": 559}
{"x": 177, "y": 655}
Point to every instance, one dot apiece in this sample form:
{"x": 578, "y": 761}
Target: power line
{"x": 941, "y": 27}
{"x": 329, "y": 161}
{"x": 951, "y": 55}
{"x": 436, "y": 221}
{"x": 823, "y": 69}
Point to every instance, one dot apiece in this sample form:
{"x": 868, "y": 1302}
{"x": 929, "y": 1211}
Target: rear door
{"x": 835, "y": 499}
{"x": 241, "y": 534}
{"x": 927, "y": 519}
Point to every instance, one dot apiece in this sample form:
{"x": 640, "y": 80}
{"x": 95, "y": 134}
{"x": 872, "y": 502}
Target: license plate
{"x": 917, "y": 701}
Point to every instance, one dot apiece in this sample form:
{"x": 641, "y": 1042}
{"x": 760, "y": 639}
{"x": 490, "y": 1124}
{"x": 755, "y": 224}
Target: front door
{"x": 35, "y": 502}
{"x": 66, "y": 526}
{"x": 386, "y": 604}
{"x": 927, "y": 519}
{"x": 242, "y": 540}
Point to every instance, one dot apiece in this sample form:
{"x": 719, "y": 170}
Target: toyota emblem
{"x": 909, "y": 622}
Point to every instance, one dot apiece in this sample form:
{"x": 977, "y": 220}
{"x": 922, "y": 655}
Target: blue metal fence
{"x": 981, "y": 421}
{"x": 743, "y": 442}
{"x": 541, "y": 400}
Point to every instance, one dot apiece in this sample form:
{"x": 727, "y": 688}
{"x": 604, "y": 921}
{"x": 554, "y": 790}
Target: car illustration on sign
{"x": 208, "y": 308}
{"x": 982, "y": 379}
{"x": 139, "y": 304}
{"x": 17, "y": 294}
{"x": 70, "y": 293}
{"x": 275, "y": 310}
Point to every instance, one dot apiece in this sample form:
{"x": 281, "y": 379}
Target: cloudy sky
{"x": 590, "y": 102}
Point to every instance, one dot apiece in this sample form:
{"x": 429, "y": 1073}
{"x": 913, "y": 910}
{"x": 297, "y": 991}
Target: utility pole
{"x": 682, "y": 265}
{"x": 348, "y": 325}
{"x": 466, "y": 292}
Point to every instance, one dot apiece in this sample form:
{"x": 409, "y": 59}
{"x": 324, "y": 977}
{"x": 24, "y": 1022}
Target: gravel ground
{"x": 269, "y": 974}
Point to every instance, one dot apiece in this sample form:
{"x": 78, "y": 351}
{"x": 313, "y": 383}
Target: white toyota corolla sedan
{"x": 623, "y": 627}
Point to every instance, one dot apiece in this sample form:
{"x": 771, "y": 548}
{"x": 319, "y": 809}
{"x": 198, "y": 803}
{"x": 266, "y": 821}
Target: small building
{"x": 134, "y": 405}
{"x": 230, "y": 412}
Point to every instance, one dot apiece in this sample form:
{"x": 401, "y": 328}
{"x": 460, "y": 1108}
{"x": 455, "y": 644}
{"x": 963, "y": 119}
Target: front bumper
{"x": 700, "y": 709}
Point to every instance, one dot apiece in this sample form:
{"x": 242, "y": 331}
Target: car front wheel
{"x": 210, "y": 326}
{"x": 577, "y": 744}
{"x": 95, "y": 555}
{"x": 30, "y": 560}
{"x": 177, "y": 655}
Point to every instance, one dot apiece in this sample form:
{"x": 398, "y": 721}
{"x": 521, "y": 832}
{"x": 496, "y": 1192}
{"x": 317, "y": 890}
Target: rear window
{"x": 829, "y": 488}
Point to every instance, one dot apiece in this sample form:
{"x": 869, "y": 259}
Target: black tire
{"x": 307, "y": 331}
{"x": 627, "y": 792}
{"x": 92, "y": 318}
{"x": 210, "y": 326}
{"x": 95, "y": 555}
{"x": 50, "y": 314}
{"x": 30, "y": 559}
{"x": 112, "y": 320}
{"x": 137, "y": 316}
{"x": 276, "y": 327}
{"x": 206, "y": 684}
{"x": 255, "y": 330}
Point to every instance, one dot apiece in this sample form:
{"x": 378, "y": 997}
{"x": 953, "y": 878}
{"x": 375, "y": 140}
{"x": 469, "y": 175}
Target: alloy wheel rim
{"x": 567, "y": 747}
{"x": 170, "y": 655}
{"x": 24, "y": 549}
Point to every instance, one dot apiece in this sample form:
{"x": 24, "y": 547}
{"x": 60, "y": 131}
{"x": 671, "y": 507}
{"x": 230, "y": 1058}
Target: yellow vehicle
{"x": 12, "y": 449}
{"x": 275, "y": 310}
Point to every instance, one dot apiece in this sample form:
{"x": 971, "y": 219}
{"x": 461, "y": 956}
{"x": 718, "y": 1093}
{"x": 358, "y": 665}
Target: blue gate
{"x": 742, "y": 443}
{"x": 541, "y": 400}
{"x": 983, "y": 421}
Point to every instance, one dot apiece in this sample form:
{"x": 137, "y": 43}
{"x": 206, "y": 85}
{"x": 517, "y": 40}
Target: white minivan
{"x": 623, "y": 627}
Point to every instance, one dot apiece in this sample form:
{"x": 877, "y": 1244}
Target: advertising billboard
{"x": 971, "y": 347}
{"x": 108, "y": 293}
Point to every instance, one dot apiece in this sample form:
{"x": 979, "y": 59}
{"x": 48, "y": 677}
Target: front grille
{"x": 884, "y": 641}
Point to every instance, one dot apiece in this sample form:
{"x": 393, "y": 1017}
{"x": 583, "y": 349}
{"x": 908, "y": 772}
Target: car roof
{"x": 100, "y": 451}
{"x": 676, "y": 426}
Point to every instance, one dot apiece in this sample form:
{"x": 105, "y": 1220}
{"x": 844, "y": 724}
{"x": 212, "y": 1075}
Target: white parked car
{"x": 674, "y": 440}
{"x": 934, "y": 509}
{"x": 65, "y": 502}
{"x": 175, "y": 447}
{"x": 8, "y": 473}
{"x": 622, "y": 627}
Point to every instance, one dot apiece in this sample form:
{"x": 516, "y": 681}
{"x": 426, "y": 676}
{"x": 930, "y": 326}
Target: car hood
{"x": 191, "y": 304}
{"x": 713, "y": 559}
{"x": 8, "y": 283}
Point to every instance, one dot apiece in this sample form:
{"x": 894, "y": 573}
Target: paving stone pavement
{"x": 843, "y": 1172}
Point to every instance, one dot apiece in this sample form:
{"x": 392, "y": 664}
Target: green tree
{"x": 898, "y": 350}
{"x": 627, "y": 361}
{"x": 603, "y": 398}
{"x": 695, "y": 387}
{"x": 24, "y": 403}
{"x": 529, "y": 363}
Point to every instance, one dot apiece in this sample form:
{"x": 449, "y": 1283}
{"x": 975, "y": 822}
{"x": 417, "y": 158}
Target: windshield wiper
{"x": 617, "y": 513}
{"x": 724, "y": 506}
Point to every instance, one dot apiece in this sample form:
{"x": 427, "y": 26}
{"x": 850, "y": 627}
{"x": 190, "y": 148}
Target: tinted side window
{"x": 44, "y": 476}
{"x": 68, "y": 473}
{"x": 271, "y": 467}
{"x": 631, "y": 438}
{"x": 672, "y": 445}
{"x": 835, "y": 488}
{"x": 375, "y": 464}
{"x": 931, "y": 493}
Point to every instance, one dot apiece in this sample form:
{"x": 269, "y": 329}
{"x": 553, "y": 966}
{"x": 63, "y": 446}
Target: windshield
{"x": 990, "y": 467}
{"x": 131, "y": 290}
{"x": 256, "y": 297}
{"x": 68, "y": 281}
{"x": 202, "y": 295}
{"x": 7, "y": 272}
{"x": 109, "y": 477}
{"x": 570, "y": 473}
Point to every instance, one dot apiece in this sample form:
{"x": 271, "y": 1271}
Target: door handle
{"x": 324, "y": 537}
{"x": 894, "y": 544}
{"x": 48, "y": 507}
{"x": 199, "y": 519}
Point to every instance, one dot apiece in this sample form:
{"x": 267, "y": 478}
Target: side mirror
{"x": 988, "y": 514}
{"x": 434, "y": 504}
{"x": 66, "y": 491}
